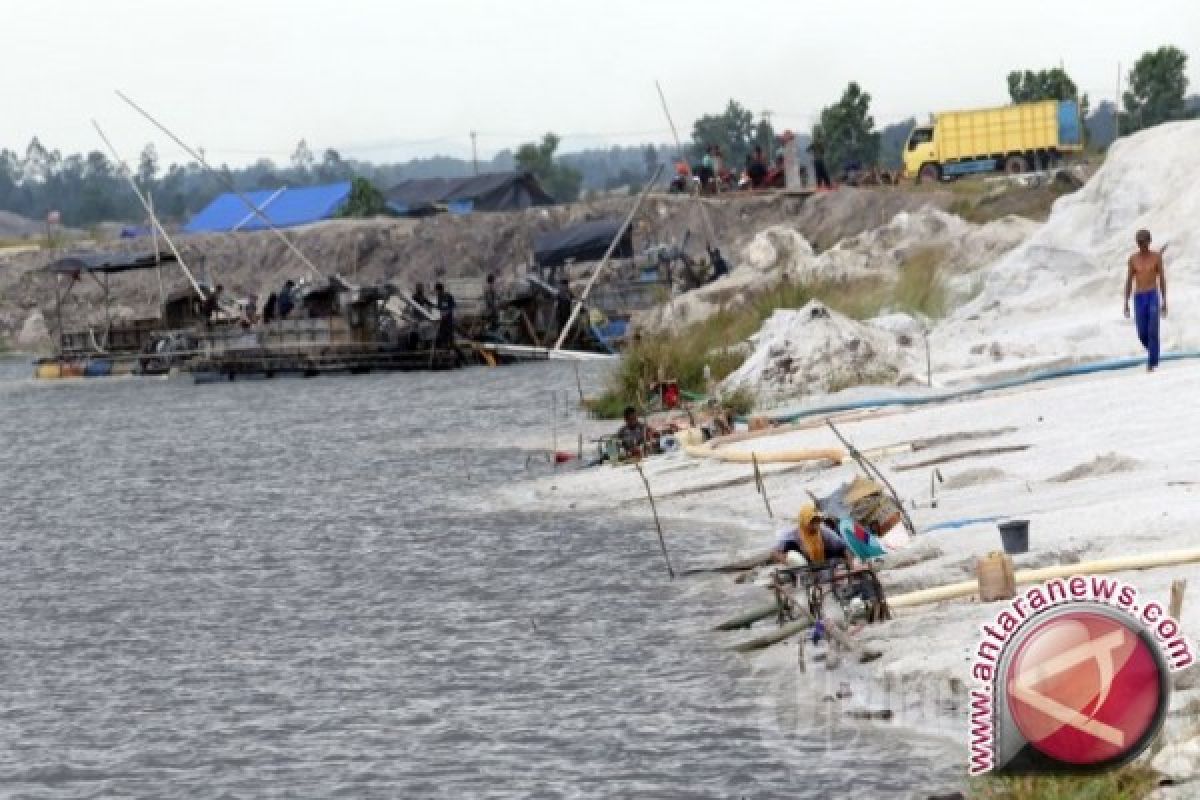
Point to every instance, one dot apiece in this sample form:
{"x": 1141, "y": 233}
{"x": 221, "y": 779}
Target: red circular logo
{"x": 1085, "y": 688}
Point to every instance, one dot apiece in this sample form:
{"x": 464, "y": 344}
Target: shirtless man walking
{"x": 1148, "y": 283}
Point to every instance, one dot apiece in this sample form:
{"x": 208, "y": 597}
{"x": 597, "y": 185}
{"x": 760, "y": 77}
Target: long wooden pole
{"x": 228, "y": 184}
{"x": 612, "y": 246}
{"x": 162, "y": 292}
{"x": 708, "y": 226}
{"x": 661, "y": 541}
{"x": 762, "y": 487}
{"x": 873, "y": 472}
{"x": 124, "y": 168}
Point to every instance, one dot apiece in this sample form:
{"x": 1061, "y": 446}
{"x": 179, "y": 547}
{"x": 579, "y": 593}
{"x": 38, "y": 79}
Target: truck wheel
{"x": 1016, "y": 164}
{"x": 929, "y": 172}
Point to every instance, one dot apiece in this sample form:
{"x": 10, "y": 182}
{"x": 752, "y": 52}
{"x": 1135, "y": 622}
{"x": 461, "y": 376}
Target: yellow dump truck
{"x": 1006, "y": 139}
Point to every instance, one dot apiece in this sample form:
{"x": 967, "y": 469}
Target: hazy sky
{"x": 390, "y": 80}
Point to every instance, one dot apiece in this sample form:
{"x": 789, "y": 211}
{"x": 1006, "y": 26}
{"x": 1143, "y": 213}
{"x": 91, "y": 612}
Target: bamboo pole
{"x": 873, "y": 471}
{"x": 709, "y": 232}
{"x": 743, "y": 565}
{"x": 777, "y": 635}
{"x": 124, "y": 168}
{"x": 762, "y": 487}
{"x": 612, "y": 246}
{"x": 162, "y": 292}
{"x": 657, "y": 524}
{"x": 745, "y": 620}
{"x": 228, "y": 184}
{"x": 953, "y": 591}
{"x": 1178, "y": 587}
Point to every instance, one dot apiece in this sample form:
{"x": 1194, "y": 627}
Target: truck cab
{"x": 920, "y": 154}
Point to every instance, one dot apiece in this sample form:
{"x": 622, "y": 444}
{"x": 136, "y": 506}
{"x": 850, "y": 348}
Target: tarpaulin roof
{"x": 493, "y": 191}
{"x": 283, "y": 206}
{"x": 587, "y": 241}
{"x": 108, "y": 262}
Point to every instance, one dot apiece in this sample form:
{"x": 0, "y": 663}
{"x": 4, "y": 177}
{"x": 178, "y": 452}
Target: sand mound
{"x": 762, "y": 264}
{"x": 817, "y": 350}
{"x": 1106, "y": 464}
{"x": 974, "y": 477}
{"x": 1059, "y": 293}
{"x": 781, "y": 252}
{"x": 962, "y": 247}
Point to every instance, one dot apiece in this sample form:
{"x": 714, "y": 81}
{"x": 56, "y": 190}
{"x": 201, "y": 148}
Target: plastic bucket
{"x": 1014, "y": 535}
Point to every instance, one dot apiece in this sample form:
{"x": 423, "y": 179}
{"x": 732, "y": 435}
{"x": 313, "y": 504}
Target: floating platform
{"x": 307, "y": 363}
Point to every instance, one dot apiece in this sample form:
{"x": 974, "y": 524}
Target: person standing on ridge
{"x": 817, "y": 149}
{"x": 1147, "y": 281}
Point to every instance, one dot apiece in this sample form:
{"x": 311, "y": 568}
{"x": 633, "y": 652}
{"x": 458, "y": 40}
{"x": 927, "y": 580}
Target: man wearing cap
{"x": 810, "y": 537}
{"x": 1148, "y": 284}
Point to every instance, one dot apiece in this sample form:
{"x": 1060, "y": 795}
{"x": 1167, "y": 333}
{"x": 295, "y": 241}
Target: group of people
{"x": 278, "y": 306}
{"x": 759, "y": 171}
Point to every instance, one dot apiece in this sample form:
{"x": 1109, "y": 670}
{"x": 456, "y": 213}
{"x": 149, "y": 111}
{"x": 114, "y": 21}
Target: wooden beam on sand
{"x": 983, "y": 451}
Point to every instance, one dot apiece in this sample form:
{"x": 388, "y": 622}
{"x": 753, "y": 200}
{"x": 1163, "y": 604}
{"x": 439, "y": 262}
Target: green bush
{"x": 1127, "y": 783}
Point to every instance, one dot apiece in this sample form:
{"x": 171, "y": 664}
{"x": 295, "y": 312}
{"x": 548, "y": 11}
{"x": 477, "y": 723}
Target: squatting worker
{"x": 811, "y": 538}
{"x": 635, "y": 436}
{"x": 1148, "y": 283}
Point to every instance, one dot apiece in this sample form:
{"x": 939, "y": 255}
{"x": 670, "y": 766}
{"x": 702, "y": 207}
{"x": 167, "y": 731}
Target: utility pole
{"x": 474, "y": 153}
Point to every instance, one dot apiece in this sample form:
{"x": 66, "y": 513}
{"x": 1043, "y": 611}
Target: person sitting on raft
{"x": 636, "y": 437}
{"x": 812, "y": 538}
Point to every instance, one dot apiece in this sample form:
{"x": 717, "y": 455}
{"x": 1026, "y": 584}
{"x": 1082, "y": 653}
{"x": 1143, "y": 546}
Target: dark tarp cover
{"x": 587, "y": 241}
{"x": 495, "y": 191}
{"x": 108, "y": 262}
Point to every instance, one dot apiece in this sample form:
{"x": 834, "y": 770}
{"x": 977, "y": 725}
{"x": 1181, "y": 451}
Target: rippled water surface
{"x": 301, "y": 589}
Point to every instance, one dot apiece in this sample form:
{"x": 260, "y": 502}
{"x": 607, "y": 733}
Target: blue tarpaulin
{"x": 284, "y": 207}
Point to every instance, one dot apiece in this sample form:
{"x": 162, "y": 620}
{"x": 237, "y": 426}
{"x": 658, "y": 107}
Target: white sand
{"x": 815, "y": 350}
{"x": 1151, "y": 503}
{"x": 1059, "y": 294}
{"x": 1113, "y": 460}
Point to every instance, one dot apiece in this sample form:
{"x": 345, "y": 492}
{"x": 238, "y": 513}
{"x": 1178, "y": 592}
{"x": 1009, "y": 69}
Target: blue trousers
{"x": 1146, "y": 313}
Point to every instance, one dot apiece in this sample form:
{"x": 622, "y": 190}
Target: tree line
{"x": 88, "y": 188}
{"x": 1157, "y": 93}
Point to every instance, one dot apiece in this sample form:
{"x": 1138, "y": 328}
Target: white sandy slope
{"x": 881, "y": 252}
{"x": 780, "y": 253}
{"x": 1113, "y": 468}
{"x": 1057, "y": 297}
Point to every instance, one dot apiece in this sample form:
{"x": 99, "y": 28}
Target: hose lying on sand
{"x": 833, "y": 454}
{"x": 1011, "y": 383}
{"x": 952, "y": 591}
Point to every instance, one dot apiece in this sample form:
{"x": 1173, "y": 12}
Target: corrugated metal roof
{"x": 284, "y": 207}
